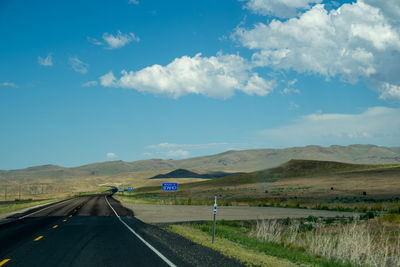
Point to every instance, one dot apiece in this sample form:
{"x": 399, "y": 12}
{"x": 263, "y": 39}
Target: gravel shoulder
{"x": 150, "y": 213}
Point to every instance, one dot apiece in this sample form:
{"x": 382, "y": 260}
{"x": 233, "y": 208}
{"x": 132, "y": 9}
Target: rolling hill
{"x": 291, "y": 169}
{"x": 182, "y": 173}
{"x": 245, "y": 160}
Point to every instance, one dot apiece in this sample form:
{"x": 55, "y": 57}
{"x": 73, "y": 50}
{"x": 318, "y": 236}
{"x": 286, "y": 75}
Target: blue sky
{"x": 88, "y": 81}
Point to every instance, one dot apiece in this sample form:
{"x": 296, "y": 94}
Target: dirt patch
{"x": 185, "y": 213}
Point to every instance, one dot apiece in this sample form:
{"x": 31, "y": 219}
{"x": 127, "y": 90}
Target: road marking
{"x": 51, "y": 205}
{"x": 4, "y": 261}
{"x": 55, "y": 226}
{"x": 167, "y": 261}
{"x": 38, "y": 238}
{"x": 64, "y": 220}
{"x": 70, "y": 216}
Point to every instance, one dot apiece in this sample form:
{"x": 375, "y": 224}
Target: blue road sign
{"x": 215, "y": 208}
{"x": 170, "y": 187}
{"x": 130, "y": 188}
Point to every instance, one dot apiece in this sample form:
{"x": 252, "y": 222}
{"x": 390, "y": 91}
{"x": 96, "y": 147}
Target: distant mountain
{"x": 182, "y": 173}
{"x": 245, "y": 160}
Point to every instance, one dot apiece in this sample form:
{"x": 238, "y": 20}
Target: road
{"x": 96, "y": 230}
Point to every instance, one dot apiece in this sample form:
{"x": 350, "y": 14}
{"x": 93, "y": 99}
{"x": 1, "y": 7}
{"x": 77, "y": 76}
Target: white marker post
{"x": 215, "y": 216}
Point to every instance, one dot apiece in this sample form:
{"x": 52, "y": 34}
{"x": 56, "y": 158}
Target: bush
{"x": 312, "y": 218}
{"x": 395, "y": 210}
{"x": 368, "y": 215}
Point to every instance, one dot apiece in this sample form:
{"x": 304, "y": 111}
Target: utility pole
{"x": 5, "y": 193}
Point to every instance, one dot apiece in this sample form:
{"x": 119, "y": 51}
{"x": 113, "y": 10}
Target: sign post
{"x": 215, "y": 216}
{"x": 170, "y": 187}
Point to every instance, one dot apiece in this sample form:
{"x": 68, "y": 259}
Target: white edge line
{"x": 141, "y": 239}
{"x": 50, "y": 206}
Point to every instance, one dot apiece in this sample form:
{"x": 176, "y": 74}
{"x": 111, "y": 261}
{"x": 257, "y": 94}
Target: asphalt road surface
{"x": 96, "y": 231}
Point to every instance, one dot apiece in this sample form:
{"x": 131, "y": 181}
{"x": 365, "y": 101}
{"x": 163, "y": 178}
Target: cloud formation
{"x": 9, "y": 84}
{"x": 376, "y": 125}
{"x": 169, "y": 154}
{"x": 167, "y": 145}
{"x": 111, "y": 41}
{"x": 78, "y": 65}
{"x": 47, "y": 61}
{"x": 111, "y": 155}
{"x": 90, "y": 83}
{"x": 279, "y": 8}
{"x": 356, "y": 41}
{"x": 177, "y": 153}
{"x": 217, "y": 76}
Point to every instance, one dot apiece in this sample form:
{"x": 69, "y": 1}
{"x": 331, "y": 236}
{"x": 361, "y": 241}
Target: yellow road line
{"x": 64, "y": 220}
{"x": 55, "y": 226}
{"x": 4, "y": 261}
{"x": 38, "y": 238}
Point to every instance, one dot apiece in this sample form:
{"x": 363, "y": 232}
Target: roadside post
{"x": 170, "y": 187}
{"x": 215, "y": 216}
{"x": 130, "y": 189}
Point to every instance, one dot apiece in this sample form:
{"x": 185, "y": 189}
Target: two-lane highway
{"x": 95, "y": 230}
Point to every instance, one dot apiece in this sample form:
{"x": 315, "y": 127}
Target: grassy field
{"x": 23, "y": 203}
{"x": 310, "y": 242}
{"x": 14, "y": 206}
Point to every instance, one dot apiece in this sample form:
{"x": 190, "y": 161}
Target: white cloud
{"x": 358, "y": 40}
{"x": 94, "y": 41}
{"x": 90, "y": 83}
{"x": 169, "y": 154}
{"x": 167, "y": 145}
{"x": 177, "y": 153}
{"x": 217, "y": 76}
{"x": 389, "y": 8}
{"x": 47, "y": 61}
{"x": 9, "y": 84}
{"x": 111, "y": 41}
{"x": 77, "y": 65}
{"x": 280, "y": 8}
{"x": 292, "y": 82}
{"x": 390, "y": 92}
{"x": 172, "y": 150}
{"x": 288, "y": 91}
{"x": 135, "y": 2}
{"x": 108, "y": 80}
{"x": 376, "y": 125}
{"x": 293, "y": 105}
{"x": 119, "y": 40}
{"x": 111, "y": 155}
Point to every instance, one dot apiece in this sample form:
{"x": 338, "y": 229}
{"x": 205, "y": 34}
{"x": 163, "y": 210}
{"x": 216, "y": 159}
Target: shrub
{"x": 353, "y": 243}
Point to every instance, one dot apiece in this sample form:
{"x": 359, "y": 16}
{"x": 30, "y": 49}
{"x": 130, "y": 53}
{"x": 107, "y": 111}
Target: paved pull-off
{"x": 181, "y": 213}
{"x": 96, "y": 231}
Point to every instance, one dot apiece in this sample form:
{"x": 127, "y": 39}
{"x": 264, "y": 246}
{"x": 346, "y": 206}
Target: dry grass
{"x": 360, "y": 243}
{"x": 229, "y": 248}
